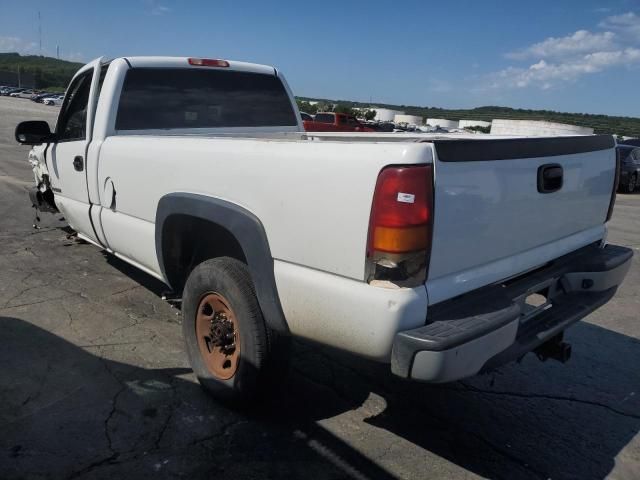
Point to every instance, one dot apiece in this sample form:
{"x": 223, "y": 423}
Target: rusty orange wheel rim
{"x": 218, "y": 335}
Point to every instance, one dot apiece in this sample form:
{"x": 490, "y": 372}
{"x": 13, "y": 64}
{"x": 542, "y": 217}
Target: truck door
{"x": 68, "y": 154}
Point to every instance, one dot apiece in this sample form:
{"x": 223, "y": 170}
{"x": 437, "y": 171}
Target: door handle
{"x": 550, "y": 178}
{"x": 78, "y": 163}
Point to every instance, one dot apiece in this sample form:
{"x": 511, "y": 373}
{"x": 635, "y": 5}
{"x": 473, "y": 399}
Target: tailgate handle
{"x": 550, "y": 178}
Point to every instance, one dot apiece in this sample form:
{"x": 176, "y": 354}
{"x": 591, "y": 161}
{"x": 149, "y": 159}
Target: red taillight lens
{"x": 402, "y": 213}
{"x": 208, "y": 62}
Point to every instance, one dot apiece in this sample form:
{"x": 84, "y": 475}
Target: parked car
{"x": 306, "y": 116}
{"x": 22, "y": 94}
{"x": 54, "y": 100}
{"x": 632, "y": 141}
{"x": 411, "y": 249}
{"x": 10, "y": 90}
{"x": 629, "y": 157}
{"x": 39, "y": 97}
{"x": 335, "y": 122}
{"x": 381, "y": 126}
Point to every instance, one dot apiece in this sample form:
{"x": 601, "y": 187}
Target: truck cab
{"x": 335, "y": 122}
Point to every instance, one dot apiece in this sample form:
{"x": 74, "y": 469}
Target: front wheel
{"x": 227, "y": 340}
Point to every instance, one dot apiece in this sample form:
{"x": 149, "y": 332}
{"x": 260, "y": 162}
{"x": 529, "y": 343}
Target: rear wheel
{"x": 228, "y": 343}
{"x": 218, "y": 335}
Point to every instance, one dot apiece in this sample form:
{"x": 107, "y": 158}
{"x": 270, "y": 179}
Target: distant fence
{"x": 27, "y": 80}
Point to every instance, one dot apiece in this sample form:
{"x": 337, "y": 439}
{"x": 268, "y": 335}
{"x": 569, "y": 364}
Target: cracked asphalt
{"x": 95, "y": 383}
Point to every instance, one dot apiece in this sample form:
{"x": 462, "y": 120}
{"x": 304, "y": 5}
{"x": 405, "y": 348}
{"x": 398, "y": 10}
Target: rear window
{"x": 324, "y": 117}
{"x": 170, "y": 98}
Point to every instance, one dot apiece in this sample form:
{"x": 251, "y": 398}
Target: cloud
{"x": 15, "y": 44}
{"x": 581, "y": 41}
{"x": 626, "y": 25}
{"x": 558, "y": 60}
{"x": 545, "y": 75}
{"x": 155, "y": 8}
{"x": 160, "y": 10}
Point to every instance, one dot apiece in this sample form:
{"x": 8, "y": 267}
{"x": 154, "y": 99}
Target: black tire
{"x": 631, "y": 185}
{"x": 258, "y": 346}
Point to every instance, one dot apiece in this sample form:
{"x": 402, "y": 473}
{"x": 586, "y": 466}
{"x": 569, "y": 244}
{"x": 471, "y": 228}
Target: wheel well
{"x": 188, "y": 241}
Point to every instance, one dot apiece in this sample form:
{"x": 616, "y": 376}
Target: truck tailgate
{"x": 492, "y": 221}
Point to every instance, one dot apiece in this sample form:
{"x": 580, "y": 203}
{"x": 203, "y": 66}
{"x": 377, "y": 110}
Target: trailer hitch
{"x": 554, "y": 349}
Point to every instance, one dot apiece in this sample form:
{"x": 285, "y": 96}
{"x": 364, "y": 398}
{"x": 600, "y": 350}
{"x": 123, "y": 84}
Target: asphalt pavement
{"x": 95, "y": 382}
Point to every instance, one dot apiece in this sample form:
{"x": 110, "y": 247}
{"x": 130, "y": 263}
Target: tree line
{"x": 48, "y": 73}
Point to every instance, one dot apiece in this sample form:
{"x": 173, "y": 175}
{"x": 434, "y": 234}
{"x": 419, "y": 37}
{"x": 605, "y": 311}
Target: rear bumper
{"x": 494, "y": 325}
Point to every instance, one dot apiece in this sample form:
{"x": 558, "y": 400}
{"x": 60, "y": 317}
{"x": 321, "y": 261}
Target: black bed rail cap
{"x": 479, "y": 150}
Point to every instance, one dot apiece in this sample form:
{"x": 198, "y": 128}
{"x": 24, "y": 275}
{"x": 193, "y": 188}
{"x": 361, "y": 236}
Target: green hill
{"x": 625, "y": 126}
{"x": 47, "y": 72}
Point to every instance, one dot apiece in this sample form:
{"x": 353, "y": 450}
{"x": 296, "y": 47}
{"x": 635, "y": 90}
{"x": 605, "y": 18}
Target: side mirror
{"x": 34, "y": 132}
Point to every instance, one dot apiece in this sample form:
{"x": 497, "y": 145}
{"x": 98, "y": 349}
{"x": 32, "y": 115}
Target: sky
{"x": 575, "y": 56}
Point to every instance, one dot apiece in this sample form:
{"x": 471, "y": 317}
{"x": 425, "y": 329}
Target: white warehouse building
{"x": 442, "y": 123}
{"x": 535, "y": 128}
{"x": 473, "y": 123}
{"x": 408, "y": 119}
{"x": 385, "y": 114}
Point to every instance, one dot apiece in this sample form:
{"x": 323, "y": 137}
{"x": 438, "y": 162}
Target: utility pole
{"x": 58, "y": 52}
{"x": 40, "y": 31}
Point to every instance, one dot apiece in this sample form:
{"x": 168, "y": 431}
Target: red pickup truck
{"x": 335, "y": 122}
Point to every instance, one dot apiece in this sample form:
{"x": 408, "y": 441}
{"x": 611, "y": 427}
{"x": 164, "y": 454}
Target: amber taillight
{"x": 401, "y": 222}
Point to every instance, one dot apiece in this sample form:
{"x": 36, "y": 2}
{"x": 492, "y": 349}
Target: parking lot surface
{"x": 95, "y": 383}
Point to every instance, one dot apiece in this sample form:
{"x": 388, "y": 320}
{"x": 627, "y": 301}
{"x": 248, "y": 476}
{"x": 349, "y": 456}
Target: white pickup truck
{"x": 444, "y": 256}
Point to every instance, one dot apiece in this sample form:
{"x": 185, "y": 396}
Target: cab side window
{"x": 324, "y": 117}
{"x": 352, "y": 121}
{"x": 72, "y": 125}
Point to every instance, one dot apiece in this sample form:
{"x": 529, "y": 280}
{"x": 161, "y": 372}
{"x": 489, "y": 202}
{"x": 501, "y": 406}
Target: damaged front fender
{"x": 41, "y": 195}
